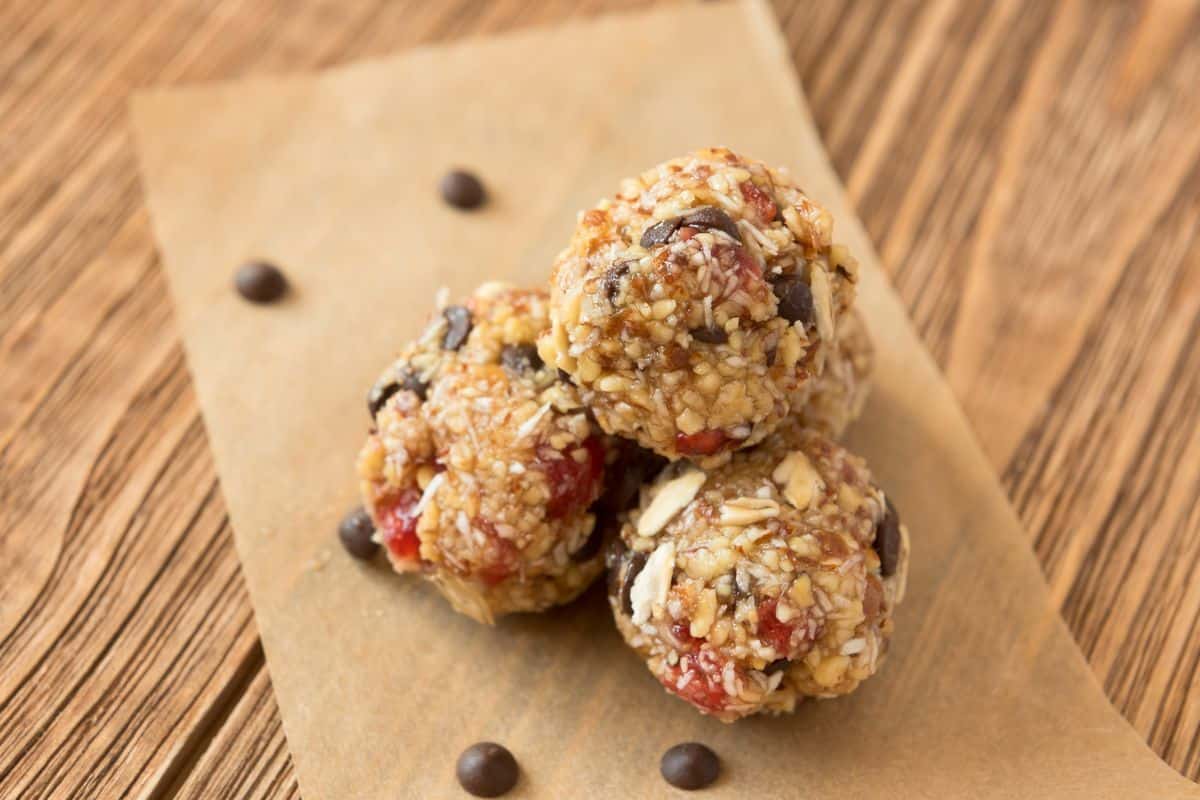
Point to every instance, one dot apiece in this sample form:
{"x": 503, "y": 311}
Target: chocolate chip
{"x": 714, "y": 218}
{"x": 659, "y": 232}
{"x": 690, "y": 765}
{"x": 636, "y": 562}
{"x": 520, "y": 359}
{"x": 776, "y": 665}
{"x": 355, "y": 531}
{"x": 795, "y": 300}
{"x": 415, "y": 385}
{"x": 611, "y": 282}
{"x": 458, "y": 327}
{"x": 462, "y": 190}
{"x": 591, "y": 546}
{"x": 260, "y": 282}
{"x": 887, "y": 540}
{"x": 382, "y": 391}
{"x": 712, "y": 334}
{"x": 486, "y": 769}
{"x": 563, "y": 375}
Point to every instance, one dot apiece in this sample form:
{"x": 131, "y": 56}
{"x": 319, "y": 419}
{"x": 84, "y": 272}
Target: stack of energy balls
{"x": 666, "y": 410}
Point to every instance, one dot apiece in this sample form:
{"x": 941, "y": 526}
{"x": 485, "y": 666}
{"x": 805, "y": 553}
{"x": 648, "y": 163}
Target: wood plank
{"x": 1028, "y": 171}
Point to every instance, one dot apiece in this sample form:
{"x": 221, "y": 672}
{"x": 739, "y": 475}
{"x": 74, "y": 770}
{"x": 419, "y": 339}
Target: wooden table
{"x": 1029, "y": 171}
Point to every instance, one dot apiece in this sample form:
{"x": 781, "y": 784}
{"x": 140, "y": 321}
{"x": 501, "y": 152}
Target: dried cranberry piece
{"x": 573, "y": 485}
{"x": 398, "y": 520}
{"x": 771, "y": 630}
{"x": 763, "y": 205}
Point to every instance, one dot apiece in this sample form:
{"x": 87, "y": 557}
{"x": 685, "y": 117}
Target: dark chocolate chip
{"x": 458, "y": 327}
{"x": 714, "y": 218}
{"x": 611, "y": 282}
{"x": 414, "y": 384}
{"x": 486, "y": 769}
{"x": 690, "y": 765}
{"x": 382, "y": 391}
{"x": 591, "y": 546}
{"x": 520, "y": 359}
{"x": 887, "y": 541}
{"x": 776, "y": 666}
{"x": 462, "y": 190}
{"x": 260, "y": 282}
{"x": 710, "y": 335}
{"x": 795, "y": 300}
{"x": 355, "y": 531}
{"x": 636, "y": 562}
{"x": 659, "y": 232}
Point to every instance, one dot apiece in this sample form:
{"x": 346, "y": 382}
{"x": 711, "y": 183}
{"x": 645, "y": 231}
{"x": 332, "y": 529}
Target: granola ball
{"x": 696, "y": 304}
{"x": 482, "y": 465}
{"x": 837, "y": 397}
{"x": 769, "y": 579}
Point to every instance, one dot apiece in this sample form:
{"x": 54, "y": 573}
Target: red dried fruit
{"x": 764, "y": 206}
{"x": 574, "y": 485}
{"x": 703, "y": 443}
{"x": 748, "y": 267}
{"x": 682, "y": 631}
{"x": 771, "y": 630}
{"x": 704, "y": 686}
{"x": 398, "y": 521}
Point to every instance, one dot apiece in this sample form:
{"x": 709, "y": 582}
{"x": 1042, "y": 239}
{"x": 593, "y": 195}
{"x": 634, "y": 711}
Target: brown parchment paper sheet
{"x": 379, "y": 683}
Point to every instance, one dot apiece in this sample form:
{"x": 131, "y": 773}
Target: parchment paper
{"x": 380, "y": 685}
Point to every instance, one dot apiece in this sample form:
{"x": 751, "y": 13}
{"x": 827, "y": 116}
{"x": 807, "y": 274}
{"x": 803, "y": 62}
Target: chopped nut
{"x": 670, "y": 498}
{"x": 822, "y": 302}
{"x": 784, "y": 612}
{"x": 425, "y": 474}
{"x": 704, "y": 614}
{"x": 589, "y": 370}
{"x": 849, "y": 498}
{"x": 797, "y": 479}
{"x": 742, "y": 511}
{"x": 801, "y": 592}
{"x": 652, "y": 583}
{"x": 612, "y": 383}
{"x": 689, "y": 422}
{"x": 830, "y": 671}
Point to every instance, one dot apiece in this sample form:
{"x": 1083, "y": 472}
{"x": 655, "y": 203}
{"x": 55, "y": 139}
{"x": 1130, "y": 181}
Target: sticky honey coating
{"x": 696, "y": 305}
{"x": 772, "y": 578}
{"x": 482, "y": 467}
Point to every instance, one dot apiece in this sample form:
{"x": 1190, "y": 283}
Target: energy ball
{"x": 769, "y": 579}
{"x": 482, "y": 466}
{"x": 693, "y": 306}
{"x": 837, "y": 397}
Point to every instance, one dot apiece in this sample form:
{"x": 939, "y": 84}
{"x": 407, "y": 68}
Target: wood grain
{"x": 1029, "y": 171}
